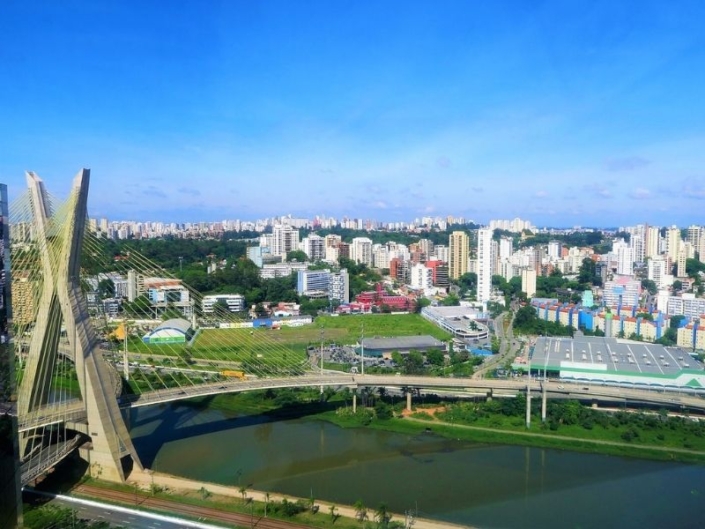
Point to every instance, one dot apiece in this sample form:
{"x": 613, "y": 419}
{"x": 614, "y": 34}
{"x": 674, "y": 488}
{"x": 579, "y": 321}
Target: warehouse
{"x": 404, "y": 344}
{"x": 609, "y": 360}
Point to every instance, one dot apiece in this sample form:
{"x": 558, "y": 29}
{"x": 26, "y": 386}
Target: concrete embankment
{"x": 179, "y": 485}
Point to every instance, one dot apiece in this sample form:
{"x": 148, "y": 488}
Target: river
{"x": 491, "y": 486}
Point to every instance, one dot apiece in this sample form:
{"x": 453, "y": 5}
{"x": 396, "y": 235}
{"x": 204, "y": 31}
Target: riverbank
{"x": 149, "y": 480}
{"x": 488, "y": 435}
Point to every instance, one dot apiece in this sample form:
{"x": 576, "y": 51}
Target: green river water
{"x": 455, "y": 481}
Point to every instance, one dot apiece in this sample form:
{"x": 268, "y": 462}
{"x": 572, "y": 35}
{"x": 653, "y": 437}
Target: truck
{"x": 233, "y": 374}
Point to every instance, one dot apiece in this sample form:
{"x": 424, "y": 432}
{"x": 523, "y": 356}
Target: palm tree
{"x": 382, "y": 515}
{"x": 266, "y": 502}
{"x": 332, "y": 512}
{"x": 360, "y": 510}
{"x": 243, "y": 491}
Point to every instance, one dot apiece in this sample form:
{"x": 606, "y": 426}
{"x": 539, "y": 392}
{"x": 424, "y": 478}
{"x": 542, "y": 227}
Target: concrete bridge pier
{"x": 543, "y": 401}
{"x": 354, "y": 401}
{"x": 489, "y": 395}
{"x": 528, "y": 406}
{"x": 408, "y": 401}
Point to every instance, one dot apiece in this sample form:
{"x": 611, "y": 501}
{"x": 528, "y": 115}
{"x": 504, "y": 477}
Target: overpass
{"x": 596, "y": 393}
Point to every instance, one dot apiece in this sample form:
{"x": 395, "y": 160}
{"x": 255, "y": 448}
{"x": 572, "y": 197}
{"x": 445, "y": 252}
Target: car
{"x": 560, "y": 387}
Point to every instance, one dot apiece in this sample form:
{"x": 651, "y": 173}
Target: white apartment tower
{"x": 313, "y": 246}
{"x": 528, "y": 281}
{"x": 673, "y": 242}
{"x": 441, "y": 252}
{"x": 484, "y": 264}
{"x": 361, "y": 250}
{"x": 422, "y": 278}
{"x": 285, "y": 239}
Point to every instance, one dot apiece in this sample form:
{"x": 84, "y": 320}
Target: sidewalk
{"x": 145, "y": 479}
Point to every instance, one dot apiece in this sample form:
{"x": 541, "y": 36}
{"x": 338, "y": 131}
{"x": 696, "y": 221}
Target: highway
{"x": 133, "y": 508}
{"x": 582, "y": 391}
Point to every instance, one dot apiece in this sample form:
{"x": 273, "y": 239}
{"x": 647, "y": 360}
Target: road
{"x": 506, "y": 346}
{"x": 131, "y": 517}
{"x": 200, "y": 516}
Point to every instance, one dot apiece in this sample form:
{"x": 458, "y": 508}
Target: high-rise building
{"x": 314, "y": 248}
{"x": 682, "y": 259}
{"x": 441, "y": 252}
{"x": 484, "y": 264}
{"x": 459, "y": 253}
{"x": 361, "y": 250}
{"x": 673, "y": 242}
{"x": 339, "y": 287}
{"x": 528, "y": 281}
{"x": 422, "y": 278}
{"x": 426, "y": 246}
{"x": 10, "y": 492}
{"x": 638, "y": 247}
{"x": 623, "y": 253}
{"x": 652, "y": 241}
{"x": 657, "y": 271}
{"x": 285, "y": 239}
{"x": 554, "y": 249}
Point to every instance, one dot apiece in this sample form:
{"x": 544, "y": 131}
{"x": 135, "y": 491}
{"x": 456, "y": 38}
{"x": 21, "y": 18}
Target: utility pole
{"x": 322, "y": 362}
{"x": 362, "y": 350}
{"x": 125, "y": 365}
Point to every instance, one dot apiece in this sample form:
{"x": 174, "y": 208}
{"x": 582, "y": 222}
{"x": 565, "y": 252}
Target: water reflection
{"x": 489, "y": 486}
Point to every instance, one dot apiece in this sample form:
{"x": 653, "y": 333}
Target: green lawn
{"x": 385, "y": 325}
{"x": 286, "y": 346}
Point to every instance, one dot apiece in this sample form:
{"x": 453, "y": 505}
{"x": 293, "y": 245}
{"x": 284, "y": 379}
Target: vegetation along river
{"x": 455, "y": 481}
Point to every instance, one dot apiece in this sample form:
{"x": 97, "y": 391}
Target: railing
{"x": 47, "y": 458}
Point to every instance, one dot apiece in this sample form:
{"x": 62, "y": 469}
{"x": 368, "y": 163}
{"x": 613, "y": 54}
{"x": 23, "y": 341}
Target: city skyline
{"x": 583, "y": 115}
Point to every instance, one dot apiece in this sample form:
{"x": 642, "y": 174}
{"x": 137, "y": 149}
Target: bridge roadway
{"x": 47, "y": 458}
{"x": 585, "y": 391}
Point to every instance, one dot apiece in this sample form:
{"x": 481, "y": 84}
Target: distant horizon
{"x": 408, "y": 222}
{"x": 563, "y": 113}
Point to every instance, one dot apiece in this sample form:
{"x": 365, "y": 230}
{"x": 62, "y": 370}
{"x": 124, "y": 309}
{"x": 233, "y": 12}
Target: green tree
{"x": 649, "y": 286}
{"x": 421, "y": 303}
{"x": 413, "y": 363}
{"x": 382, "y": 515}
{"x": 435, "y": 357}
{"x": 296, "y": 255}
{"x": 383, "y": 411}
{"x": 141, "y": 307}
{"x": 106, "y": 288}
{"x": 450, "y": 300}
{"x": 360, "y": 511}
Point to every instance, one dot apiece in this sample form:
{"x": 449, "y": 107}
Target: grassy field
{"x": 289, "y": 344}
{"x": 385, "y": 325}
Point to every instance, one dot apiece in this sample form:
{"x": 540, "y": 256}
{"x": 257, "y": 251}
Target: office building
{"x": 313, "y": 283}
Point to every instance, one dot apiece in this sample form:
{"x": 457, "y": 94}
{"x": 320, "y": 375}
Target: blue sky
{"x": 565, "y": 113}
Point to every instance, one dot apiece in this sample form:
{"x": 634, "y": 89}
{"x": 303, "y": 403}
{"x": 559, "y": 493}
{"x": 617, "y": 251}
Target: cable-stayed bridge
{"x": 79, "y": 370}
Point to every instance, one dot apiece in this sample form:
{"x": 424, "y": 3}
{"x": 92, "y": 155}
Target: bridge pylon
{"x": 62, "y": 306}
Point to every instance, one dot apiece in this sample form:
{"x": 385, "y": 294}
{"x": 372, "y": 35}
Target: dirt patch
{"x": 428, "y": 411}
